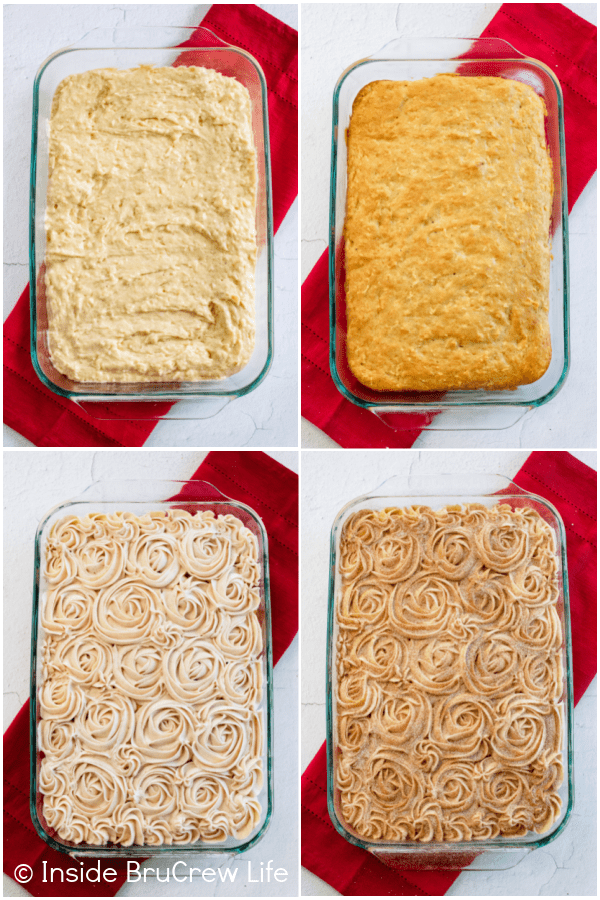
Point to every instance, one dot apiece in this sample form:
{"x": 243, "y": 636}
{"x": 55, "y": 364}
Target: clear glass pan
{"x": 436, "y": 491}
{"x": 409, "y": 59}
{"x": 126, "y": 48}
{"x": 140, "y": 497}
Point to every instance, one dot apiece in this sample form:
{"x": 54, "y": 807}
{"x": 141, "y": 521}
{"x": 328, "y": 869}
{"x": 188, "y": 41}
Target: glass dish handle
{"x": 203, "y": 408}
{"x": 157, "y": 36}
{"x": 467, "y": 418}
{"x": 402, "y": 47}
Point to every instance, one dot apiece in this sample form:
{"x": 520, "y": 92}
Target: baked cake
{"x": 449, "y": 674}
{"x": 150, "y": 692}
{"x": 447, "y": 235}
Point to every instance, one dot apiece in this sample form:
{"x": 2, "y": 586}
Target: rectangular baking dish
{"x": 436, "y": 491}
{"x": 409, "y": 59}
{"x": 140, "y": 497}
{"x": 126, "y": 48}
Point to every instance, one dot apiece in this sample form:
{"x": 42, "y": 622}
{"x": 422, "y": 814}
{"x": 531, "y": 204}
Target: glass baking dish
{"x": 140, "y": 497}
{"x": 409, "y": 59}
{"x": 436, "y": 491}
{"x": 126, "y": 48}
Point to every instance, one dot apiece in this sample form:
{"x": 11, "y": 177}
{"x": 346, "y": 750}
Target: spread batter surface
{"x": 151, "y": 244}
{"x": 449, "y": 674}
{"x": 447, "y": 235}
{"x": 150, "y": 693}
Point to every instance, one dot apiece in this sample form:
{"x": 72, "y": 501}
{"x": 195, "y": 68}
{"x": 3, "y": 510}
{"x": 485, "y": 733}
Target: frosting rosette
{"x": 57, "y": 739}
{"x": 100, "y": 562}
{"x": 127, "y": 611}
{"x": 137, "y": 670}
{"x": 151, "y": 679}
{"x": 226, "y": 735}
{"x": 396, "y": 557}
{"x": 85, "y": 660}
{"x": 164, "y": 731}
{"x": 206, "y": 555}
{"x": 153, "y": 559}
{"x": 358, "y": 694}
{"x": 59, "y": 699}
{"x": 68, "y": 609}
{"x": 522, "y": 730}
{"x": 193, "y": 671}
{"x": 190, "y": 604}
{"x": 105, "y": 722}
{"x": 461, "y": 724}
{"x": 503, "y": 546}
{"x": 155, "y": 792}
{"x": 433, "y": 665}
{"x": 394, "y": 784}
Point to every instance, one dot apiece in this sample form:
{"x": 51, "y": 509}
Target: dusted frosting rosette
{"x": 451, "y": 551}
{"x": 423, "y": 606}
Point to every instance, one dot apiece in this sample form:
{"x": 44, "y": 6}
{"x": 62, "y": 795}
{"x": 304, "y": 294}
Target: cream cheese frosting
{"x": 150, "y": 226}
{"x": 449, "y": 674}
{"x": 151, "y": 724}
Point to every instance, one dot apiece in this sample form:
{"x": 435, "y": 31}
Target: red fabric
{"x": 571, "y": 487}
{"x": 567, "y": 44}
{"x": 48, "y": 420}
{"x": 271, "y": 490}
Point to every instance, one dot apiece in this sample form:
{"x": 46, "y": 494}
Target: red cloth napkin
{"x": 51, "y": 421}
{"x": 271, "y": 490}
{"x": 567, "y": 44}
{"x": 571, "y": 487}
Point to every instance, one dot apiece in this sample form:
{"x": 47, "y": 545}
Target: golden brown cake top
{"x": 447, "y": 234}
{"x": 449, "y": 674}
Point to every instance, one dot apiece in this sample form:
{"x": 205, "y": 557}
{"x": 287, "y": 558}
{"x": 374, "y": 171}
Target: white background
{"x": 36, "y": 481}
{"x": 566, "y": 865}
{"x": 268, "y": 416}
{"x": 335, "y": 35}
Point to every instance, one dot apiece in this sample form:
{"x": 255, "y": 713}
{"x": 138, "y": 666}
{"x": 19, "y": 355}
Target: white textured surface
{"x": 34, "y": 482}
{"x": 329, "y": 481}
{"x": 335, "y": 35}
{"x": 268, "y": 416}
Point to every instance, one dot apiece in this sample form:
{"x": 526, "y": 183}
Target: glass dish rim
{"x": 453, "y": 847}
{"x": 463, "y": 399}
{"x": 196, "y": 392}
{"x": 100, "y": 851}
